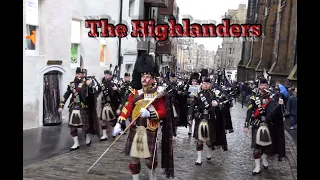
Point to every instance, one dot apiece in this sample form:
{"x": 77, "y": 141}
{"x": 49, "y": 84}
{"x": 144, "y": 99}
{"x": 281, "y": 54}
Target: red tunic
{"x": 158, "y": 104}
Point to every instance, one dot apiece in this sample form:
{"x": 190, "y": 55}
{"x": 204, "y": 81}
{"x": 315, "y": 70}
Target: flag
{"x": 32, "y": 37}
{"x": 101, "y": 53}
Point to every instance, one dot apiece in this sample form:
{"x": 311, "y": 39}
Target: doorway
{"x": 51, "y": 98}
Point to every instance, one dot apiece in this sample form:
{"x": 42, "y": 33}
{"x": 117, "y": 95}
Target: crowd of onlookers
{"x": 244, "y": 91}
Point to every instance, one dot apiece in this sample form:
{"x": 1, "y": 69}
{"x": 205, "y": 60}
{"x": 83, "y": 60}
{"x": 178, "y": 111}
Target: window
{"x": 31, "y": 37}
{"x": 131, "y": 8}
{"x": 32, "y": 30}
{"x": 146, "y": 12}
{"x": 75, "y": 44}
{"x": 74, "y": 53}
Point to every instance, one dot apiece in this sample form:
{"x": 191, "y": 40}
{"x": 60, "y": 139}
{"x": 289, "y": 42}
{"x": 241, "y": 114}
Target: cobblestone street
{"x": 235, "y": 164}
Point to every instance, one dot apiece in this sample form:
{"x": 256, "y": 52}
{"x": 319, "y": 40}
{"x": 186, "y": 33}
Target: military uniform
{"x": 142, "y": 138}
{"x": 205, "y": 121}
{"x": 182, "y": 103}
{"x": 192, "y": 92}
{"x": 78, "y": 109}
{"x": 110, "y": 103}
{"x": 125, "y": 90}
{"x": 173, "y": 92}
{"x": 264, "y": 113}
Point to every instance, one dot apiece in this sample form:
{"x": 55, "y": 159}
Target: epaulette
{"x": 252, "y": 98}
{"x": 131, "y": 89}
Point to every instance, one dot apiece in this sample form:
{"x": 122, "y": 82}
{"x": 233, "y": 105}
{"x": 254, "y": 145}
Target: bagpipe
{"x": 94, "y": 82}
{"x": 115, "y": 80}
{"x": 222, "y": 99}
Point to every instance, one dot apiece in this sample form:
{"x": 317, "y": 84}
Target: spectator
{"x": 292, "y": 108}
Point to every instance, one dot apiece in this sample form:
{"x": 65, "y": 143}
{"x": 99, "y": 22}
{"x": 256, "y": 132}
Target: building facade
{"x": 232, "y": 47}
{"x": 166, "y": 51}
{"x": 218, "y": 58}
{"x": 275, "y": 50}
{"x": 56, "y": 42}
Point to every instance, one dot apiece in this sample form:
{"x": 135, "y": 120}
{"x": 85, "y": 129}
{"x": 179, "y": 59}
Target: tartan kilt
{"x": 151, "y": 136}
{"x": 85, "y": 120}
{"x": 212, "y": 130}
{"x": 112, "y": 123}
{"x": 254, "y": 145}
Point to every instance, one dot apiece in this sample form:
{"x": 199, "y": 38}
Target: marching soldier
{"x": 110, "y": 103}
{"x": 125, "y": 90}
{"x": 264, "y": 113}
{"x": 193, "y": 89}
{"x": 221, "y": 121}
{"x": 173, "y": 90}
{"x": 78, "y": 108}
{"x": 204, "y": 130}
{"x": 227, "y": 98}
{"x": 182, "y": 99}
{"x": 142, "y": 138}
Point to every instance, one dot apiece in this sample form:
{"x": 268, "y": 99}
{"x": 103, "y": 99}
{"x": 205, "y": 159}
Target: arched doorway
{"x": 49, "y": 96}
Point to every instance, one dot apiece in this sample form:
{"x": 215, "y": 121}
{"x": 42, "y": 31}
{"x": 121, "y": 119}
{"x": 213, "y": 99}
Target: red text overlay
{"x": 161, "y": 32}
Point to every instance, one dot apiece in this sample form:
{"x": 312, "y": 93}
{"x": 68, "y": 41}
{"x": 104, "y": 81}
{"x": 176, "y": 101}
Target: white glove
{"x": 280, "y": 101}
{"x": 144, "y": 113}
{"x": 160, "y": 90}
{"x": 114, "y": 88}
{"x": 116, "y": 129}
{"x": 118, "y": 111}
{"x": 257, "y": 102}
{"x": 214, "y": 103}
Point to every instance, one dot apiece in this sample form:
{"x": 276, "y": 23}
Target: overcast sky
{"x": 208, "y": 9}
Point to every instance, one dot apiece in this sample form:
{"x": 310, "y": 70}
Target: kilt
{"x": 254, "y": 145}
{"x": 85, "y": 120}
{"x": 112, "y": 123}
{"x": 212, "y": 130}
{"x": 151, "y": 136}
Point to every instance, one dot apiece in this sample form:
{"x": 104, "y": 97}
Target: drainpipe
{"x": 119, "y": 48}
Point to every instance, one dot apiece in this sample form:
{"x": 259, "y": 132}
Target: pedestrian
{"x": 292, "y": 108}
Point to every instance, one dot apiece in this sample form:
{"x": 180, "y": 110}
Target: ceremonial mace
{"x": 133, "y": 121}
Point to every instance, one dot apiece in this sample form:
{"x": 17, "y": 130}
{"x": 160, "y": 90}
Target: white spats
{"x": 135, "y": 176}
{"x": 104, "y": 134}
{"x": 209, "y": 153}
{"x": 152, "y": 175}
{"x": 264, "y": 160}
{"x": 256, "y": 166}
{"x": 88, "y": 138}
{"x": 76, "y": 142}
{"x": 199, "y": 159}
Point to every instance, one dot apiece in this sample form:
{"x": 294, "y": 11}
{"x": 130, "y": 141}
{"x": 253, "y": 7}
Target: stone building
{"x": 166, "y": 51}
{"x": 198, "y": 57}
{"x": 232, "y": 47}
{"x": 275, "y": 50}
{"x": 218, "y": 58}
{"x": 55, "y": 42}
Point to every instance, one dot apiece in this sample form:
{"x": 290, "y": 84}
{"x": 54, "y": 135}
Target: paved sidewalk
{"x": 235, "y": 164}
